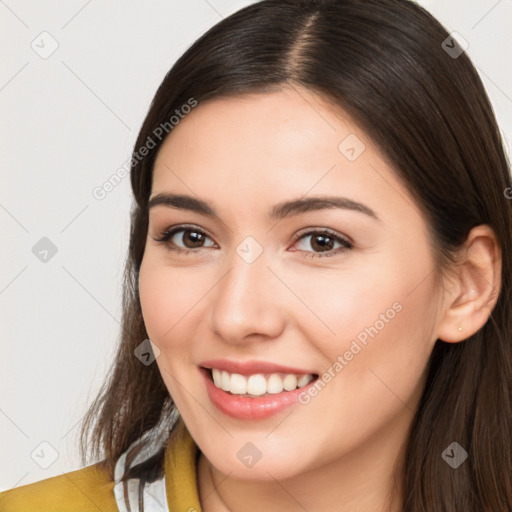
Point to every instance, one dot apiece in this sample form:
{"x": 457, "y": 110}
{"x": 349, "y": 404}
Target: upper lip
{"x": 252, "y": 367}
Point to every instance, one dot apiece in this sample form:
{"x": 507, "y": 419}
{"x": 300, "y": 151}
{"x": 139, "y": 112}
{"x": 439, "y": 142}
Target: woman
{"x": 320, "y": 254}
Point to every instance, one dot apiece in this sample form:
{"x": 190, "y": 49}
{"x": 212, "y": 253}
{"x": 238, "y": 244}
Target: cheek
{"x": 378, "y": 325}
{"x": 348, "y": 305}
{"x": 169, "y": 298}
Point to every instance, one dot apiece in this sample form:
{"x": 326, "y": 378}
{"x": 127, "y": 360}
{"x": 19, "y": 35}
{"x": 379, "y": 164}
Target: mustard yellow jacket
{"x": 90, "y": 488}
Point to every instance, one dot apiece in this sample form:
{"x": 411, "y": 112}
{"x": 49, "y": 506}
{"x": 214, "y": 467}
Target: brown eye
{"x": 191, "y": 237}
{"x": 323, "y": 243}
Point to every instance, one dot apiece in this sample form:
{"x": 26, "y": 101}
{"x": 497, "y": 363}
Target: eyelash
{"x": 167, "y": 234}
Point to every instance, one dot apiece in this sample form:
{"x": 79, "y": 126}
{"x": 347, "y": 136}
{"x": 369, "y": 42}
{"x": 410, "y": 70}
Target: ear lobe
{"x": 476, "y": 288}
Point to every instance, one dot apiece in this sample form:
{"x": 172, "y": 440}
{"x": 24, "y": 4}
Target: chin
{"x": 272, "y": 465}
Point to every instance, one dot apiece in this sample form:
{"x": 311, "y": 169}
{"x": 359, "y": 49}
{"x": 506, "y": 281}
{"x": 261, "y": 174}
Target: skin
{"x": 243, "y": 155}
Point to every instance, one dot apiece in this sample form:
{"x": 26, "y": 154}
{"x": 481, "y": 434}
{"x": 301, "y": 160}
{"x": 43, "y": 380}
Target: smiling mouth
{"x": 259, "y": 384}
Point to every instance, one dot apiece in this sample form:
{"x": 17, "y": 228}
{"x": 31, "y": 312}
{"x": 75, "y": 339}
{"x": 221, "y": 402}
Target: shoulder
{"x": 89, "y": 488}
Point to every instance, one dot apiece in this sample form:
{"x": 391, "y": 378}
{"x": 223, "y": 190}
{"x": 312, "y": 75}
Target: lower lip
{"x": 248, "y": 408}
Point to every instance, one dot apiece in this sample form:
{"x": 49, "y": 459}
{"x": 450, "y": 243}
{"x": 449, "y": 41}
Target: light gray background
{"x": 69, "y": 121}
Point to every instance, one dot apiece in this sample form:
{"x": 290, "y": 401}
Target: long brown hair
{"x": 386, "y": 63}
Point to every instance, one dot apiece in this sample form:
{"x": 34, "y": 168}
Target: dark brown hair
{"x": 384, "y": 63}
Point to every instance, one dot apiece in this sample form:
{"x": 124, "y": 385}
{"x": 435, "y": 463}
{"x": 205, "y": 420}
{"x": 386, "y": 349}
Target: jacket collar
{"x": 177, "y": 490}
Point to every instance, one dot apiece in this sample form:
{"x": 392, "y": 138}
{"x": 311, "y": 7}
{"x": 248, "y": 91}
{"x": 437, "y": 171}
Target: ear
{"x": 474, "y": 290}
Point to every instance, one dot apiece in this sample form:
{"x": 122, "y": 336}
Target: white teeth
{"x": 290, "y": 382}
{"x": 217, "y": 377}
{"x": 238, "y": 384}
{"x": 258, "y": 384}
{"x": 226, "y": 381}
{"x": 275, "y": 384}
{"x": 303, "y": 380}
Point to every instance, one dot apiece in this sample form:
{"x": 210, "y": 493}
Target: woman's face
{"x": 266, "y": 300}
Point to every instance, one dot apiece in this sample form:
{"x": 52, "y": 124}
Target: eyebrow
{"x": 279, "y": 211}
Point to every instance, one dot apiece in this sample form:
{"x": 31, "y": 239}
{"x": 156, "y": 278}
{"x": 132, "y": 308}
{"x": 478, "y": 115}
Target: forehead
{"x": 263, "y": 148}
{"x": 286, "y": 122}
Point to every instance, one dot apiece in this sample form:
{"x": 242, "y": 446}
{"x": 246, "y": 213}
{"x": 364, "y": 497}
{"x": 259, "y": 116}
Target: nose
{"x": 249, "y": 302}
